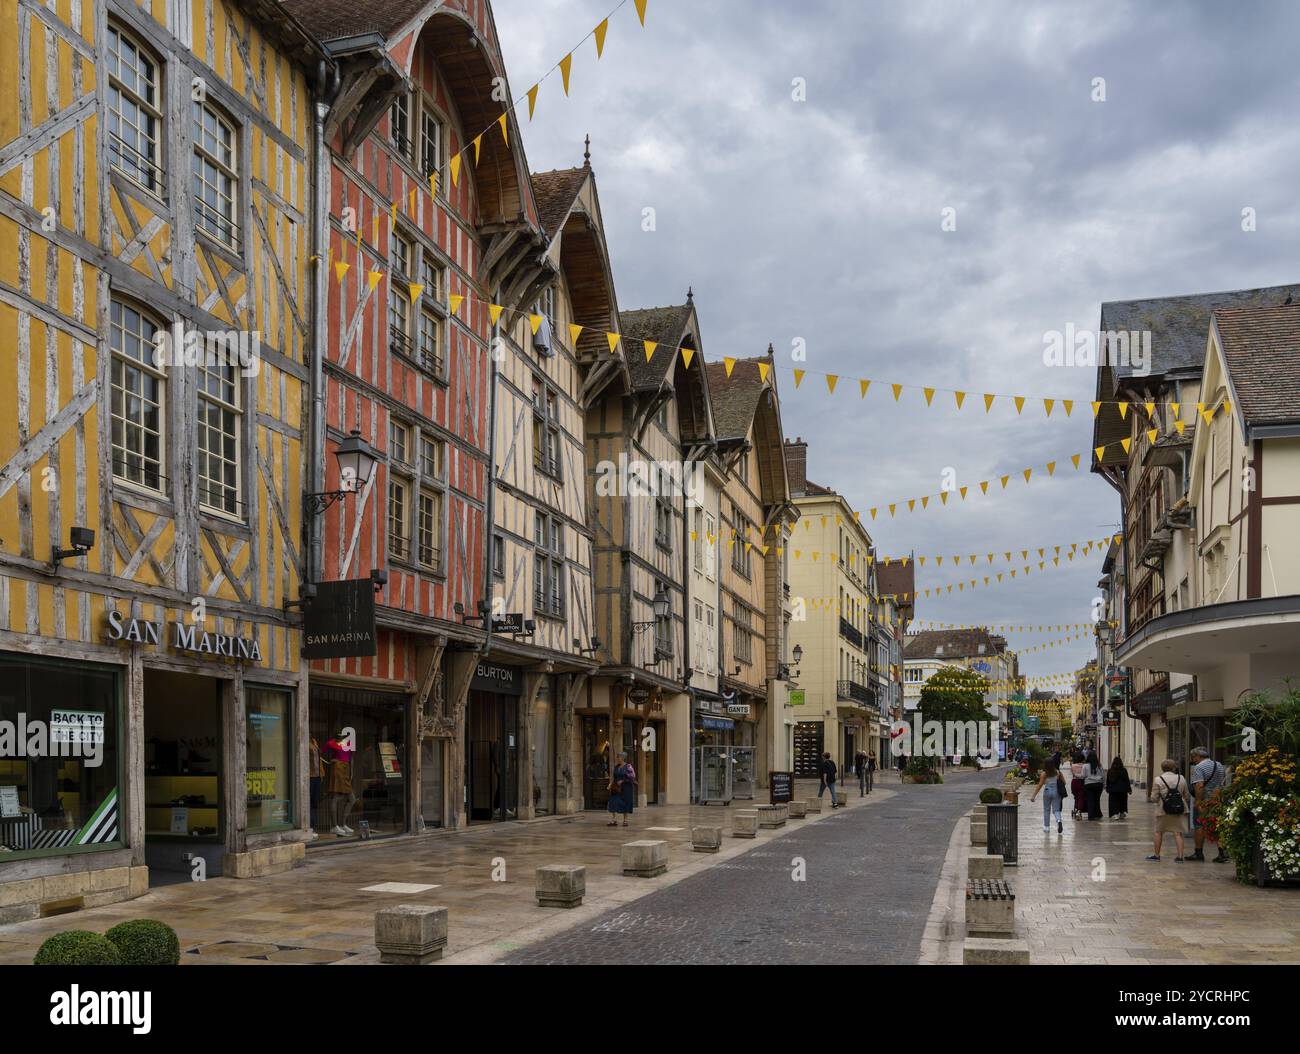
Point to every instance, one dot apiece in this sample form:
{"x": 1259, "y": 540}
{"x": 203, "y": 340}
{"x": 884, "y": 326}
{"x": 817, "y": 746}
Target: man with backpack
{"x": 1207, "y": 777}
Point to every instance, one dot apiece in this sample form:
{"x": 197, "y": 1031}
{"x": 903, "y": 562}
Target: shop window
{"x": 358, "y": 763}
{"x": 269, "y": 774}
{"x": 61, "y": 797}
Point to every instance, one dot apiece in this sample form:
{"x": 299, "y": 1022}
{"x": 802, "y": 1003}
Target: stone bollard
{"x": 980, "y": 865}
{"x": 990, "y": 908}
{"x": 841, "y": 798}
{"x": 561, "y": 885}
{"x": 706, "y": 839}
{"x": 979, "y": 832}
{"x": 744, "y": 824}
{"x": 410, "y": 934}
{"x": 771, "y": 816}
{"x": 645, "y": 859}
{"x": 813, "y": 805}
{"x": 987, "y": 951}
{"x": 798, "y": 809}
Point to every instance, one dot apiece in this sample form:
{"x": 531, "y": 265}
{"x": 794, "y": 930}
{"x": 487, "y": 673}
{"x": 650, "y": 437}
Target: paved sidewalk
{"x": 322, "y": 912}
{"x": 1090, "y": 896}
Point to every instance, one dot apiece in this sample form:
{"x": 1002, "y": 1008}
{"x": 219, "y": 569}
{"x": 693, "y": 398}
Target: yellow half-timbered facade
{"x": 156, "y": 168}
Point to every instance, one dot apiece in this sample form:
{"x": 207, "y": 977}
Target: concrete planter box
{"x": 983, "y": 865}
{"x": 410, "y": 934}
{"x": 770, "y": 816}
{"x": 561, "y": 885}
{"x": 812, "y": 805}
{"x": 744, "y": 825}
{"x": 798, "y": 809}
{"x": 706, "y": 839}
{"x": 645, "y": 859}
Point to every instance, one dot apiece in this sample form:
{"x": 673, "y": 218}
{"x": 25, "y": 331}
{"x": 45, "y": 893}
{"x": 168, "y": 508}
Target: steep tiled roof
{"x": 555, "y": 191}
{"x": 331, "y": 19}
{"x": 663, "y": 325}
{"x": 895, "y": 578}
{"x": 734, "y": 398}
{"x": 950, "y": 644}
{"x": 1262, "y": 349}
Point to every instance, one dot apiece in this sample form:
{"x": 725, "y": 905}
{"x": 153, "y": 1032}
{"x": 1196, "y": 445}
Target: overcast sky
{"x": 821, "y": 220}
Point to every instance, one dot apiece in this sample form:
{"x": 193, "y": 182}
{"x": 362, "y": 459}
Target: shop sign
{"x": 1110, "y": 718}
{"x": 489, "y": 677}
{"x": 509, "y": 622}
{"x": 1152, "y": 703}
{"x": 76, "y": 726}
{"x": 340, "y": 620}
{"x": 738, "y": 709}
{"x": 1184, "y": 693}
{"x": 781, "y": 787}
{"x": 797, "y": 697}
{"x": 182, "y": 638}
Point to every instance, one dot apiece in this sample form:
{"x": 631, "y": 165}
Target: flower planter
{"x": 1263, "y": 877}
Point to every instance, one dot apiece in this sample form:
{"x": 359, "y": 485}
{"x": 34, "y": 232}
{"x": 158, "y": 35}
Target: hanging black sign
{"x": 340, "y": 621}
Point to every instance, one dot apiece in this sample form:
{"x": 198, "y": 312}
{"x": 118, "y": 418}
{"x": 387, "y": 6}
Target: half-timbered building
{"x": 155, "y": 234}
{"x": 434, "y": 246}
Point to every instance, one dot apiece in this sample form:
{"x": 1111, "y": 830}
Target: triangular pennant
{"x": 478, "y": 145}
{"x": 1047, "y": 405}
{"x": 1123, "y": 411}
{"x": 505, "y": 134}
{"x": 988, "y": 402}
{"x": 1027, "y": 473}
{"x": 613, "y": 339}
{"x": 640, "y": 10}
{"x": 1151, "y": 434}
{"x": 566, "y": 64}
{"x": 1004, "y": 481}
{"x": 599, "y": 32}
{"x": 1075, "y": 459}
{"x": 535, "y": 323}
{"x": 575, "y": 331}
{"x": 831, "y": 381}
{"x": 687, "y": 355}
{"x": 1096, "y": 408}
{"x": 494, "y": 312}
{"x": 984, "y": 486}
{"x": 374, "y": 277}
{"x": 1051, "y": 468}
{"x": 764, "y": 368}
{"x": 341, "y": 269}
{"x": 413, "y": 290}
{"x": 911, "y": 504}
{"x": 532, "y": 100}
{"x": 454, "y": 167}
{"x": 898, "y": 390}
{"x": 454, "y": 301}
{"x": 1100, "y": 452}
{"x": 650, "y": 346}
{"x": 1126, "y": 443}
{"x": 1068, "y": 404}
{"x": 1020, "y": 403}
{"x": 960, "y": 397}
{"x": 728, "y": 364}
{"x": 929, "y": 395}
{"x": 798, "y": 377}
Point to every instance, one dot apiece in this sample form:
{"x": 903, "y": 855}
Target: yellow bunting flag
{"x": 454, "y": 301}
{"x": 984, "y": 486}
{"x": 374, "y": 277}
{"x": 963, "y": 493}
{"x": 534, "y": 323}
{"x": 925, "y": 502}
{"x": 600, "y": 32}
{"x": 650, "y": 346}
{"x": 1004, "y": 480}
{"x": 1096, "y": 408}
{"x": 1027, "y": 473}
{"x": 764, "y": 368}
{"x": 728, "y": 364}
{"x": 1051, "y": 468}
{"x": 613, "y": 339}
{"x": 911, "y": 504}
{"x": 1126, "y": 443}
{"x": 478, "y": 145}
{"x": 1180, "y": 425}
{"x": 505, "y": 134}
{"x": 433, "y": 184}
{"x": 873, "y": 513}
{"x": 1047, "y": 405}
{"x": 798, "y": 377}
{"x": 413, "y": 290}
{"x": 929, "y": 395}
{"x": 687, "y": 355}
{"x": 898, "y": 390}
{"x": 340, "y": 270}
{"x": 862, "y": 389}
{"x": 392, "y": 212}
{"x": 960, "y": 397}
{"x": 454, "y": 167}
{"x": 943, "y": 496}
{"x": 575, "y": 331}
{"x": 1020, "y": 403}
{"x": 566, "y": 64}
{"x": 831, "y": 380}
{"x": 494, "y": 312}
{"x": 988, "y": 402}
{"x": 1075, "y": 459}
{"x": 532, "y": 100}
{"x": 640, "y": 10}
{"x": 1069, "y": 405}
{"x": 1100, "y": 452}
{"x": 1151, "y": 434}
{"x": 891, "y": 509}
{"x": 1123, "y": 411}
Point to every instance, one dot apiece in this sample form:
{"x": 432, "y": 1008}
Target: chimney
{"x": 796, "y": 464}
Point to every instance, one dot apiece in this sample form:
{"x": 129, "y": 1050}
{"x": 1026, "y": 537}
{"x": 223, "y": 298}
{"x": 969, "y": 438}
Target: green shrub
{"x": 146, "y": 942}
{"x": 991, "y": 796}
{"x": 78, "y": 948}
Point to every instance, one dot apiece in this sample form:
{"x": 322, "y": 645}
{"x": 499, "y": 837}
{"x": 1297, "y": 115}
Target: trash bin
{"x": 1003, "y": 826}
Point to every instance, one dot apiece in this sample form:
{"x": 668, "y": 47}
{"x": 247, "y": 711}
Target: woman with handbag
{"x": 1118, "y": 788}
{"x": 622, "y": 791}
{"x": 1173, "y": 794}
{"x": 1094, "y": 776}
{"x": 1053, "y": 788}
{"x": 1077, "y": 787}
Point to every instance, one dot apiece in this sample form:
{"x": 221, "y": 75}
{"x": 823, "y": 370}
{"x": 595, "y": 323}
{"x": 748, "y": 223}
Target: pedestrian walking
{"x": 1077, "y": 791}
{"x": 828, "y": 771}
{"x": 1207, "y": 777}
{"x": 622, "y": 791}
{"x": 902, "y": 762}
{"x": 1094, "y": 777}
{"x": 871, "y": 770}
{"x": 860, "y": 760}
{"x": 1173, "y": 794}
{"x": 1052, "y": 786}
{"x": 1118, "y": 788}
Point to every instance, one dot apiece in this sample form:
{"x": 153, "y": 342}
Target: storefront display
{"x": 543, "y": 750}
{"x": 59, "y": 757}
{"x": 358, "y": 758}
{"x": 182, "y": 759}
{"x": 269, "y": 772}
{"x": 596, "y": 762}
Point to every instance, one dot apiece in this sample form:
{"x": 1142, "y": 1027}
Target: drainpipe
{"x": 327, "y": 89}
{"x": 491, "y": 470}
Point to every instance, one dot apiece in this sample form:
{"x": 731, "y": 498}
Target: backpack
{"x": 1172, "y": 800}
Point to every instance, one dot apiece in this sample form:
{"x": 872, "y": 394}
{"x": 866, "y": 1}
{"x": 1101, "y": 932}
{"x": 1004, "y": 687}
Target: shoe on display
{"x": 339, "y": 831}
{"x": 347, "y": 829}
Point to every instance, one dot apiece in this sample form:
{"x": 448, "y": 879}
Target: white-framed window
{"x": 215, "y": 179}
{"x": 430, "y": 143}
{"x": 546, "y": 428}
{"x": 399, "y": 441}
{"x": 429, "y": 529}
{"x": 548, "y": 565}
{"x": 742, "y": 635}
{"x": 134, "y": 110}
{"x": 399, "y": 125}
{"x": 218, "y": 429}
{"x": 433, "y": 457}
{"x": 138, "y": 399}
{"x": 399, "y": 538}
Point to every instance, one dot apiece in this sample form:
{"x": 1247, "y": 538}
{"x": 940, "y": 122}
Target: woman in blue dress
{"x": 622, "y": 791}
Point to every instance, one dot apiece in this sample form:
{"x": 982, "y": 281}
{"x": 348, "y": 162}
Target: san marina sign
{"x": 182, "y": 637}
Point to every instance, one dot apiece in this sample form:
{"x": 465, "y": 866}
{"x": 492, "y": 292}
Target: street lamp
{"x": 357, "y": 460}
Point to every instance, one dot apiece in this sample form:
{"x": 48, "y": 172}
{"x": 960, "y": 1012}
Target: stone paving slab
{"x": 323, "y": 905}
{"x": 1141, "y": 913}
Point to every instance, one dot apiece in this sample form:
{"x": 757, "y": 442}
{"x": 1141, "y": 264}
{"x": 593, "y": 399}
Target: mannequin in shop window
{"x": 336, "y": 758}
